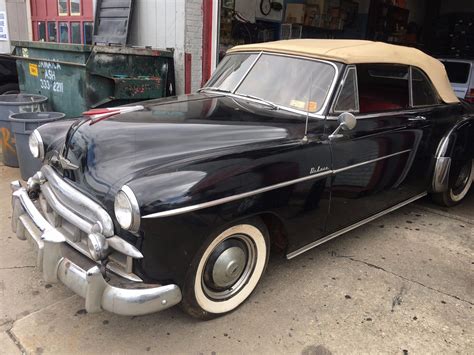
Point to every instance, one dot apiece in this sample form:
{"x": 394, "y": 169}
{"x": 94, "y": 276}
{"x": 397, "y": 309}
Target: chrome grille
{"x": 76, "y": 216}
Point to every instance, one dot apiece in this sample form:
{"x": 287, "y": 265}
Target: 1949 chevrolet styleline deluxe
{"x": 289, "y": 144}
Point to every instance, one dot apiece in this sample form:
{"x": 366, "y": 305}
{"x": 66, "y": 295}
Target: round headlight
{"x": 36, "y": 145}
{"x": 127, "y": 210}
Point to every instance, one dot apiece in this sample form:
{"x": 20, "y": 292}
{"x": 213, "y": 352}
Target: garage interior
{"x": 442, "y": 28}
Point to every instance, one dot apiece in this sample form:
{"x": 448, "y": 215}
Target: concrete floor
{"x": 402, "y": 284}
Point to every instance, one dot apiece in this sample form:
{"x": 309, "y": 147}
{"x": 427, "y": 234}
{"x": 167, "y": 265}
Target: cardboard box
{"x": 295, "y": 13}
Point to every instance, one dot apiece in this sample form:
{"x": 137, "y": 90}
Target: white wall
{"x": 161, "y": 24}
{"x": 4, "y": 45}
{"x": 19, "y": 22}
{"x": 193, "y": 40}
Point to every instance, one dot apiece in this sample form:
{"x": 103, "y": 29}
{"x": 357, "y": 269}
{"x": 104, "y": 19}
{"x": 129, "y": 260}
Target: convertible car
{"x": 289, "y": 144}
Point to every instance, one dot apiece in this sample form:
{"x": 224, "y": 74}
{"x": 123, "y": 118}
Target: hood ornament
{"x": 63, "y": 162}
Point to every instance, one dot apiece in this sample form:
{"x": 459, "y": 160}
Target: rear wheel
{"x": 460, "y": 182}
{"x": 226, "y": 270}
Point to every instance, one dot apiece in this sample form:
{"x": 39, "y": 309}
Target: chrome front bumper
{"x": 60, "y": 262}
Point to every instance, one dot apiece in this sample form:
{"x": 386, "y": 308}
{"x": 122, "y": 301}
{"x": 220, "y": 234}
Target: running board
{"x": 351, "y": 227}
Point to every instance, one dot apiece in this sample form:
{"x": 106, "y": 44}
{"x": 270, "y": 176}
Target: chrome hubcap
{"x": 229, "y": 267}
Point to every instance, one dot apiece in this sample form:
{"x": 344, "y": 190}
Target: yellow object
{"x": 33, "y": 69}
{"x": 359, "y": 51}
{"x": 312, "y": 106}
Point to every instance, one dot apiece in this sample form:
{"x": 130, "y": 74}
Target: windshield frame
{"x": 318, "y": 114}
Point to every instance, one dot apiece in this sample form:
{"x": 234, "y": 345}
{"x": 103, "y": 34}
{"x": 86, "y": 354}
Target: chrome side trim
{"x": 223, "y": 200}
{"x": 235, "y": 197}
{"x": 336, "y": 171}
{"x": 354, "y": 226}
{"x": 408, "y": 111}
{"x": 79, "y": 203}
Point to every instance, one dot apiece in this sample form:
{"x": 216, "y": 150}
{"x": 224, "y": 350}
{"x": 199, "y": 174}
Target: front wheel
{"x": 459, "y": 184}
{"x": 226, "y": 270}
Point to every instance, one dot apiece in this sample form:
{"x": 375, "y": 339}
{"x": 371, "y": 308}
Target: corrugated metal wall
{"x": 161, "y": 24}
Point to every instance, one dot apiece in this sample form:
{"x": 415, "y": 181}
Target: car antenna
{"x": 305, "y": 137}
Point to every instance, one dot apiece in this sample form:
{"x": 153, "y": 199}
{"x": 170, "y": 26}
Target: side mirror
{"x": 347, "y": 122}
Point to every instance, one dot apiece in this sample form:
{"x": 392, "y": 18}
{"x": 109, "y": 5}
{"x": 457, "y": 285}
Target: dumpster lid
{"x": 112, "y": 21}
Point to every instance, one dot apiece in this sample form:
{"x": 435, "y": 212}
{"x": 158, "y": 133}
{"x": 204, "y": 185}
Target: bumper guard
{"x": 60, "y": 262}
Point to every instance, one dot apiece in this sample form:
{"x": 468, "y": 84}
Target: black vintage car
{"x": 290, "y": 144}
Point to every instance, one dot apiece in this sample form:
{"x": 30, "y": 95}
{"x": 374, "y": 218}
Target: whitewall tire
{"x": 459, "y": 186}
{"x": 226, "y": 270}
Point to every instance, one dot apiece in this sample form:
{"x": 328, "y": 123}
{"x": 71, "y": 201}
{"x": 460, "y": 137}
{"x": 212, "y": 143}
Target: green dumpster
{"x": 76, "y": 78}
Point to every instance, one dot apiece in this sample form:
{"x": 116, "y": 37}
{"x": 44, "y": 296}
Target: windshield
{"x": 231, "y": 70}
{"x": 296, "y": 83}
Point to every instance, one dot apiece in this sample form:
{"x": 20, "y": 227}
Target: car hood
{"x": 168, "y": 134}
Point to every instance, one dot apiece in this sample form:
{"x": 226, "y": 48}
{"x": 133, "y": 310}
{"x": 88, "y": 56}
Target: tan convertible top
{"x": 358, "y": 51}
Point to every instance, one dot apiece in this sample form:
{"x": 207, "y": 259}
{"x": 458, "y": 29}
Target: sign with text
{"x": 3, "y": 26}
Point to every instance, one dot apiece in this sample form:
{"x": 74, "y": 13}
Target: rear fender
{"x": 456, "y": 146}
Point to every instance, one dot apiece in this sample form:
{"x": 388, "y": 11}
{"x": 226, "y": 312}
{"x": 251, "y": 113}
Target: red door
{"x": 62, "y": 21}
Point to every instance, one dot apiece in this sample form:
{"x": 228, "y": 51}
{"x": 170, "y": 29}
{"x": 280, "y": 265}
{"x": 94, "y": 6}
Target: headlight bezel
{"x": 134, "y": 210}
{"x": 36, "y": 138}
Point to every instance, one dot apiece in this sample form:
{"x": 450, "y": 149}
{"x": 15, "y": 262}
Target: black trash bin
{"x": 11, "y": 104}
{"x": 23, "y": 124}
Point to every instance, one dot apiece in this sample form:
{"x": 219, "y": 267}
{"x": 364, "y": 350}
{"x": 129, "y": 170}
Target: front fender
{"x": 53, "y": 135}
{"x": 456, "y": 146}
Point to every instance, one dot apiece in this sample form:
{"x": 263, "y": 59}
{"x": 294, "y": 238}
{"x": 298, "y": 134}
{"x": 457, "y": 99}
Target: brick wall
{"x": 193, "y": 40}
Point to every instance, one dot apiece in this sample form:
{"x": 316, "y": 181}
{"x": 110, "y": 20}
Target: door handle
{"x": 417, "y": 118}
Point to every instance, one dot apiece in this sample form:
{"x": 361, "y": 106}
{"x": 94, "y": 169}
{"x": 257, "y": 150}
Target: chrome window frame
{"x": 319, "y": 114}
{"x": 408, "y": 111}
{"x": 341, "y": 86}
{"x": 258, "y": 55}
{"x": 246, "y": 73}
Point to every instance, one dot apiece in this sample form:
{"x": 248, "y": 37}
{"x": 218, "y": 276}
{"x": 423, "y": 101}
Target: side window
{"x": 423, "y": 93}
{"x": 42, "y": 31}
{"x": 62, "y": 8}
{"x": 347, "y": 100}
{"x": 63, "y": 32}
{"x": 383, "y": 87}
{"x": 52, "y": 32}
{"x": 75, "y": 32}
{"x": 88, "y": 27}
